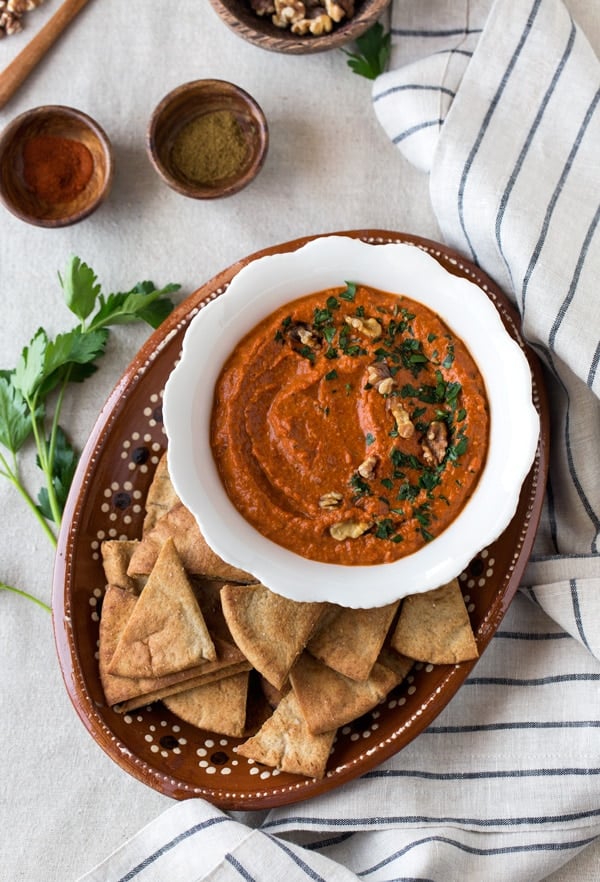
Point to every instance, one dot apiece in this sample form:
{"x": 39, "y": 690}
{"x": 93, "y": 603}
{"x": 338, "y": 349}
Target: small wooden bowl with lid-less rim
{"x": 261, "y": 31}
{"x": 193, "y": 102}
{"x": 59, "y": 190}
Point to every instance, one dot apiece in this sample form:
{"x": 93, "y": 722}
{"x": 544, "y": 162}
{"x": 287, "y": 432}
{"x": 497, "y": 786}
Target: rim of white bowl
{"x": 255, "y": 292}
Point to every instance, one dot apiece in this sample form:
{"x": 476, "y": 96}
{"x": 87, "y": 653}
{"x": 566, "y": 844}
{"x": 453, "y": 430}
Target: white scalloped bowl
{"x": 255, "y": 292}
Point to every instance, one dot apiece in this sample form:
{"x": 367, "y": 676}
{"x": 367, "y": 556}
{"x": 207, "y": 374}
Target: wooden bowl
{"x": 260, "y": 30}
{"x": 56, "y": 166}
{"x": 195, "y": 104}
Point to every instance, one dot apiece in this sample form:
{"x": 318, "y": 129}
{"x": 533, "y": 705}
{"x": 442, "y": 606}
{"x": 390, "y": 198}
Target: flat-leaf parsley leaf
{"x": 48, "y": 366}
{"x": 373, "y": 53}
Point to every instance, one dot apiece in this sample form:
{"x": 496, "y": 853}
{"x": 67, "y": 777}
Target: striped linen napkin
{"x": 498, "y": 103}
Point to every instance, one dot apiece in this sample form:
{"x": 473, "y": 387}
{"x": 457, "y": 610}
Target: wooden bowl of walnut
{"x": 299, "y": 27}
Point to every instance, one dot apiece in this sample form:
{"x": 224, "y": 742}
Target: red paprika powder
{"x": 55, "y": 168}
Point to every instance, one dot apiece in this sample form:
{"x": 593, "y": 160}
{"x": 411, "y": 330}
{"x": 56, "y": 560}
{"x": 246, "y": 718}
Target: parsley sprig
{"x": 373, "y": 53}
{"x": 33, "y": 392}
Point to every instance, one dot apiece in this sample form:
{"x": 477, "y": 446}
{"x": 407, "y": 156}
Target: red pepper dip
{"x": 350, "y": 426}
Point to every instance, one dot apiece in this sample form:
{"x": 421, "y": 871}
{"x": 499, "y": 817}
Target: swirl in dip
{"x": 350, "y": 426}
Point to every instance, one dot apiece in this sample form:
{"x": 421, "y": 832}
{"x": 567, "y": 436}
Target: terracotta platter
{"x": 107, "y": 502}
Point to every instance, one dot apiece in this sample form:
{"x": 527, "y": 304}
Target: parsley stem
{"x": 45, "y": 461}
{"x": 26, "y": 594}
{"x": 54, "y": 503}
{"x": 13, "y": 477}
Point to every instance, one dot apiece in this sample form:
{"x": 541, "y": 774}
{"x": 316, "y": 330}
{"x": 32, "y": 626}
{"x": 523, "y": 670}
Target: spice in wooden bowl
{"x": 207, "y": 139}
{"x": 55, "y": 166}
{"x": 56, "y": 169}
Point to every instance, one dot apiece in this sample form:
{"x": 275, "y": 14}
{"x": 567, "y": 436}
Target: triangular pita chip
{"x": 166, "y": 631}
{"x": 272, "y": 695}
{"x": 116, "y": 556}
{"x": 197, "y": 557}
{"x": 330, "y": 700}
{"x": 399, "y": 664}
{"x": 285, "y": 742}
{"x": 270, "y": 630}
{"x": 349, "y": 640}
{"x": 130, "y": 693}
{"x": 219, "y": 707}
{"x": 208, "y": 595}
{"x": 258, "y": 709}
{"x": 161, "y": 496}
{"x": 117, "y": 606}
{"x": 185, "y": 682}
{"x": 435, "y": 627}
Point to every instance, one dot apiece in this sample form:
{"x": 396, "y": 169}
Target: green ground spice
{"x": 210, "y": 147}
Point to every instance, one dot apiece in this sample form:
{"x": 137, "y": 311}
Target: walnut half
{"x": 263, "y": 7}
{"x": 370, "y": 327}
{"x": 435, "y": 444}
{"x": 330, "y": 500}
{"x": 367, "y": 468}
{"x": 349, "y": 529}
{"x": 316, "y": 22}
{"x": 287, "y": 12}
{"x": 380, "y": 377}
{"x": 404, "y": 424}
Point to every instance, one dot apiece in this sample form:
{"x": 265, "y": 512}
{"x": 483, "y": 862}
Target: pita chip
{"x": 116, "y": 556}
{"x": 272, "y": 695}
{"x": 161, "y": 496}
{"x": 269, "y": 629}
{"x": 329, "y": 700}
{"x": 133, "y": 692}
{"x": 218, "y": 707}
{"x": 285, "y": 742}
{"x": 349, "y": 640}
{"x": 399, "y": 664}
{"x": 197, "y": 557}
{"x": 166, "y": 631}
{"x": 435, "y": 627}
{"x": 117, "y": 606}
{"x": 208, "y": 595}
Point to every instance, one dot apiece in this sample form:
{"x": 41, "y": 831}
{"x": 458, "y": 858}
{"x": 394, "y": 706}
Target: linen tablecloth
{"x": 498, "y": 105}
{"x": 505, "y": 783}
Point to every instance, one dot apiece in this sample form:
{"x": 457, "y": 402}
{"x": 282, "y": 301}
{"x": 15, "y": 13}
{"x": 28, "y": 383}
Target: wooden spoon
{"x": 20, "y": 67}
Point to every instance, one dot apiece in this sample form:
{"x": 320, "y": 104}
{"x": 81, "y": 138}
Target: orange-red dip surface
{"x": 350, "y": 426}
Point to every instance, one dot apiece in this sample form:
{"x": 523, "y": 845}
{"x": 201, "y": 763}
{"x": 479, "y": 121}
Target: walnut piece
{"x": 339, "y": 9}
{"x": 11, "y": 15}
{"x": 349, "y": 529}
{"x": 380, "y": 377}
{"x": 302, "y": 17}
{"x": 22, "y": 6}
{"x": 300, "y": 332}
{"x": 330, "y": 500}
{"x": 435, "y": 443}
{"x": 263, "y": 7}
{"x": 369, "y": 327}
{"x": 10, "y": 23}
{"x": 404, "y": 424}
{"x": 367, "y": 468}
{"x": 316, "y": 22}
{"x": 287, "y": 12}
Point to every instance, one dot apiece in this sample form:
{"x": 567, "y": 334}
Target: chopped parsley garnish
{"x": 307, "y": 352}
{"x": 359, "y": 486}
{"x": 449, "y": 360}
{"x": 349, "y": 293}
{"x": 413, "y": 470}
